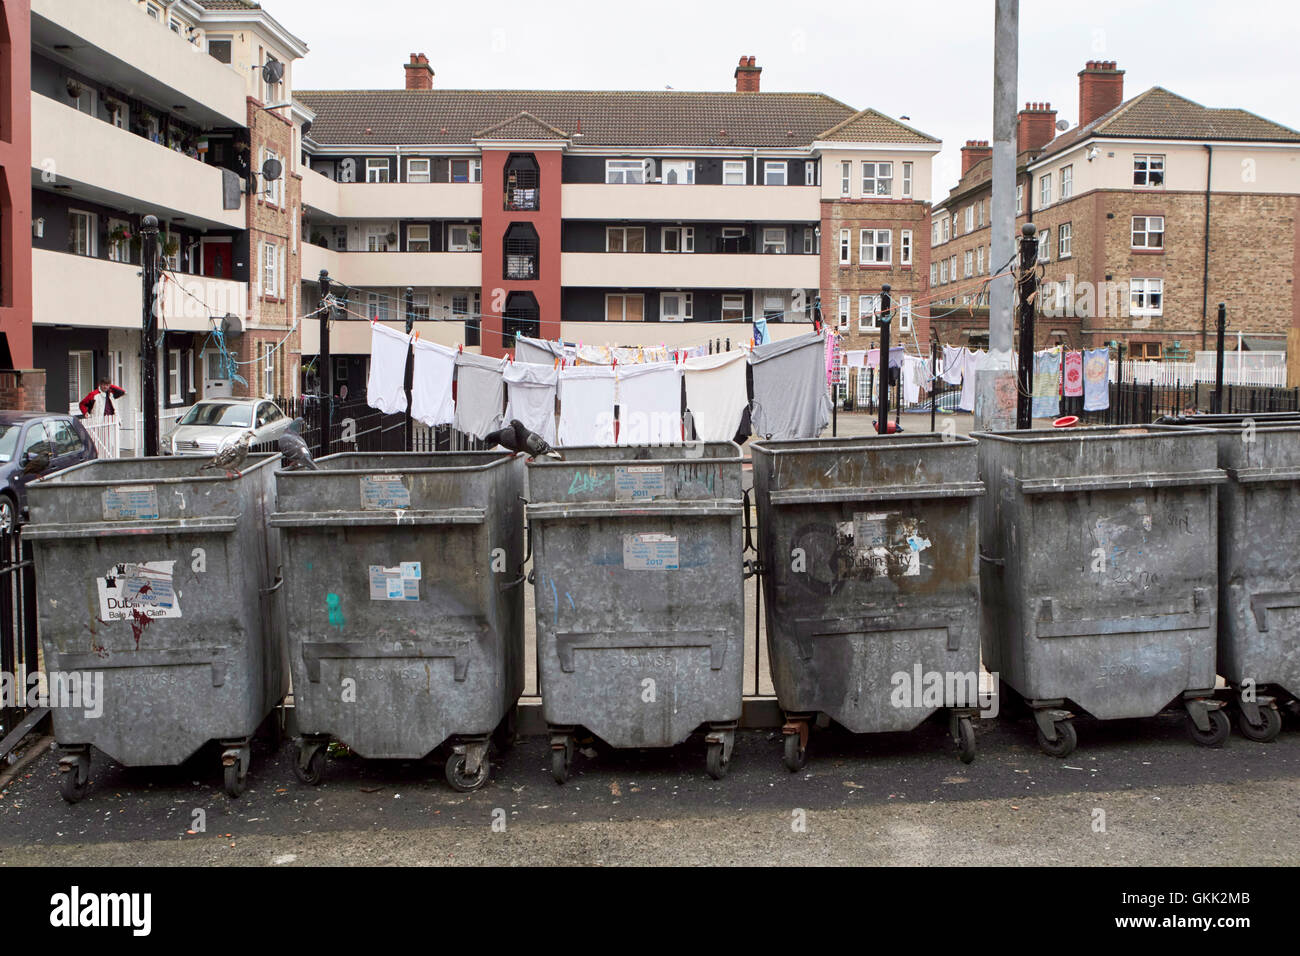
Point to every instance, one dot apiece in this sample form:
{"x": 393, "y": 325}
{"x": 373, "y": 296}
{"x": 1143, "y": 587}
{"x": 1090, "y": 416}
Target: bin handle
{"x": 279, "y": 582}
{"x": 1000, "y": 562}
{"x": 749, "y": 540}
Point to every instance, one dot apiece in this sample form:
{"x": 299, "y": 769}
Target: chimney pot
{"x": 747, "y": 75}
{"x": 1101, "y": 89}
{"x": 419, "y": 74}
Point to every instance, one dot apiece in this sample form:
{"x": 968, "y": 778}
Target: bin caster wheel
{"x": 1265, "y": 732}
{"x": 1065, "y": 742}
{"x": 561, "y": 758}
{"x": 716, "y": 761}
{"x": 463, "y": 781}
{"x": 1220, "y": 727}
{"x": 74, "y": 782}
{"x": 966, "y": 739}
{"x": 795, "y": 757}
{"x": 310, "y": 768}
{"x": 235, "y": 778}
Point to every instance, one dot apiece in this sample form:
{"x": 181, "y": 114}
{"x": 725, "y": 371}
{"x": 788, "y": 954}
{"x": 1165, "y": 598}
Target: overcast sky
{"x": 931, "y": 60}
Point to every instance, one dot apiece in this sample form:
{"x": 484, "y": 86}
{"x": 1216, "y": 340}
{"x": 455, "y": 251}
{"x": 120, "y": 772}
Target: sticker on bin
{"x": 650, "y": 552}
{"x": 384, "y": 493}
{"x": 131, "y": 591}
{"x": 131, "y": 503}
{"x": 401, "y": 583}
{"x": 638, "y": 482}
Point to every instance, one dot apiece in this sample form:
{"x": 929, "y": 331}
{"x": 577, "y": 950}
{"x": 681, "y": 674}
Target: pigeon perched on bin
{"x": 295, "y": 452}
{"x": 517, "y": 437}
{"x": 230, "y": 455}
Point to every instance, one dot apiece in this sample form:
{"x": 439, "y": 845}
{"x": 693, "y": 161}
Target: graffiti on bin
{"x": 824, "y": 556}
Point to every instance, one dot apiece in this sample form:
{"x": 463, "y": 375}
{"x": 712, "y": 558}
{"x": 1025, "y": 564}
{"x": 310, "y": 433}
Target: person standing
{"x": 109, "y": 391}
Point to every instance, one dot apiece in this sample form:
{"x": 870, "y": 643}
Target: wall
{"x": 15, "y": 185}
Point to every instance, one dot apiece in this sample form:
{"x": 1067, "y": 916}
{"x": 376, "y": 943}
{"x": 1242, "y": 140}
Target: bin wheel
{"x": 315, "y": 768}
{"x": 236, "y": 776}
{"x": 560, "y": 764}
{"x": 74, "y": 783}
{"x": 716, "y": 761}
{"x": 466, "y": 782}
{"x": 795, "y": 757}
{"x": 1065, "y": 742}
{"x": 1220, "y": 727}
{"x": 966, "y": 739}
{"x": 1266, "y": 732}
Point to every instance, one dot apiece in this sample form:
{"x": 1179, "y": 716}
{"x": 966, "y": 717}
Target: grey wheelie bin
{"x": 160, "y": 585}
{"x": 638, "y": 569}
{"x": 1099, "y": 574}
{"x": 404, "y": 593}
{"x": 869, "y": 556}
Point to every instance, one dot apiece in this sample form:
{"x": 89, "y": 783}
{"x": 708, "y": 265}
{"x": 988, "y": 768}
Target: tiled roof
{"x": 228, "y": 4}
{"x": 870, "y": 126}
{"x": 1159, "y": 114}
{"x": 523, "y": 126}
{"x": 604, "y": 118}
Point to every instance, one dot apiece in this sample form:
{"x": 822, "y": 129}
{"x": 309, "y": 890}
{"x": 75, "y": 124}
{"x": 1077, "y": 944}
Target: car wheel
{"x": 8, "y": 514}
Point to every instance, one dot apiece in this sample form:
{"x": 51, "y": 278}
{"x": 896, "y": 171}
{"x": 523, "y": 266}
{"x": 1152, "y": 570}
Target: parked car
{"x": 33, "y": 444}
{"x": 210, "y": 423}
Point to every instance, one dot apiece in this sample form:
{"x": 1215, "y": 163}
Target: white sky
{"x": 931, "y": 60}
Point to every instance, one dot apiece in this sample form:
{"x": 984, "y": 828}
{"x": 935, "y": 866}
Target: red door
{"x": 217, "y": 260}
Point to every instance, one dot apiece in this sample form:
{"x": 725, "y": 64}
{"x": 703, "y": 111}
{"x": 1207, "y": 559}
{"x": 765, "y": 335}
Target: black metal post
{"x": 934, "y": 376}
{"x": 410, "y": 366}
{"x": 882, "y": 420}
{"x": 149, "y": 332}
{"x": 1026, "y": 285}
{"x": 325, "y": 374}
{"x": 1221, "y": 325}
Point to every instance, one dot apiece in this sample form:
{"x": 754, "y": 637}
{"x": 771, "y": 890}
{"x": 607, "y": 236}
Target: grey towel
{"x": 790, "y": 394}
{"x": 480, "y": 394}
{"x": 231, "y": 189}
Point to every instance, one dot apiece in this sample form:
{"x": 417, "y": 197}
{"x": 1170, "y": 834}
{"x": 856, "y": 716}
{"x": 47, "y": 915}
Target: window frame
{"x": 1146, "y": 172}
{"x": 779, "y": 245}
{"x": 730, "y": 166}
{"x": 810, "y": 172}
{"x": 92, "y": 232}
{"x": 846, "y": 178}
{"x": 1149, "y": 286}
{"x": 877, "y": 178}
{"x": 372, "y": 166}
{"x": 843, "y": 316}
{"x": 1044, "y": 246}
{"x": 685, "y": 239}
{"x": 1064, "y": 240}
{"x": 733, "y": 303}
{"x": 970, "y": 218}
{"x": 776, "y": 165}
{"x": 1045, "y": 190}
{"x": 868, "y": 309}
{"x": 625, "y": 296}
{"x": 907, "y": 180}
{"x": 869, "y": 248}
{"x": 269, "y": 270}
{"x": 846, "y": 247}
{"x": 174, "y": 395}
{"x": 686, "y": 166}
{"x": 625, "y": 232}
{"x": 687, "y": 303}
{"x": 905, "y": 247}
{"x": 411, "y": 227}
{"x": 427, "y": 173}
{"x": 1147, "y": 232}
{"x": 968, "y": 263}
{"x": 1020, "y": 199}
{"x": 1067, "y": 181}
{"x": 618, "y": 172}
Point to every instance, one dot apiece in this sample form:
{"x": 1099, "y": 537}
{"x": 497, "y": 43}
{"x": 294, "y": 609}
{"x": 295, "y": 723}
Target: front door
{"x": 218, "y": 260}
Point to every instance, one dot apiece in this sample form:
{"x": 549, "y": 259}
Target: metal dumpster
{"x": 868, "y": 549}
{"x": 1099, "y": 573}
{"x": 639, "y": 586}
{"x": 404, "y": 592}
{"x": 163, "y": 583}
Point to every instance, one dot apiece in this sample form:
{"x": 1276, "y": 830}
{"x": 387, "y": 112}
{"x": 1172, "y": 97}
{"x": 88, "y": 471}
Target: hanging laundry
{"x": 790, "y": 398}
{"x": 857, "y": 358}
{"x": 1073, "y": 374}
{"x": 954, "y": 363}
{"x": 530, "y": 397}
{"x": 650, "y": 404}
{"x": 594, "y": 355}
{"x": 431, "y": 400}
{"x": 830, "y": 357}
{"x": 1096, "y": 380}
{"x": 1047, "y": 385}
{"x": 914, "y": 373}
{"x": 895, "y": 357}
{"x": 586, "y": 405}
{"x": 971, "y": 363}
{"x": 628, "y": 356}
{"x": 386, "y": 383}
{"x": 716, "y": 394}
{"x": 480, "y": 392}
{"x": 761, "y": 335}
{"x": 537, "y": 351}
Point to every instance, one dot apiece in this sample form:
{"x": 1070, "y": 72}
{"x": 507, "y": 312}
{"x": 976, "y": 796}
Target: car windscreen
{"x": 9, "y": 441}
{"x": 209, "y": 413}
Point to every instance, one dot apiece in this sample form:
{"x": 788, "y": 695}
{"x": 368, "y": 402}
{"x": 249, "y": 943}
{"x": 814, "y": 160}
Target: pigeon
{"x": 295, "y": 452}
{"x": 231, "y": 455}
{"x": 516, "y": 437}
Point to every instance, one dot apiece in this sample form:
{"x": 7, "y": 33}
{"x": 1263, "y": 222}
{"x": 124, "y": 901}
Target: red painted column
{"x": 16, "y": 180}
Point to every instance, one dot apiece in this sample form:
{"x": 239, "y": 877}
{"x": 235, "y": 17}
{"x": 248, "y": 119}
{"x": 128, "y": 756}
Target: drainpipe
{"x": 1205, "y": 271}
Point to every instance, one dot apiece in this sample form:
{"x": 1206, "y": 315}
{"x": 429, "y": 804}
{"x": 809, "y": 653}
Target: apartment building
{"x": 144, "y": 108}
{"x": 25, "y": 386}
{"x": 681, "y": 216}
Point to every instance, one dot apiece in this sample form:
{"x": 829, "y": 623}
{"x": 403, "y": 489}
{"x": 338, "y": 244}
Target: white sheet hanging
{"x": 431, "y": 400}
{"x": 530, "y": 397}
{"x": 586, "y": 406}
{"x": 716, "y": 394}
{"x": 386, "y": 383}
{"x": 650, "y": 404}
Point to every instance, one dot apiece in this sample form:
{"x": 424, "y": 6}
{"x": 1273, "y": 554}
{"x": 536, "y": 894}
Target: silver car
{"x": 213, "y": 422}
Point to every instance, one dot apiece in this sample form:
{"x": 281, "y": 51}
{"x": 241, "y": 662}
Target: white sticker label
{"x": 411, "y": 569}
{"x": 132, "y": 591}
{"x": 131, "y": 503}
{"x": 638, "y": 482}
{"x": 390, "y": 584}
{"x": 384, "y": 493}
{"x": 650, "y": 552}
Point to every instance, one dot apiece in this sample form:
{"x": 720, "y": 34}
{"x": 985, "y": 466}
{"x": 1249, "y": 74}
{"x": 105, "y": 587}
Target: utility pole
{"x": 1028, "y": 281}
{"x": 410, "y": 365}
{"x": 1222, "y": 326}
{"x": 882, "y": 421}
{"x": 325, "y": 374}
{"x": 149, "y": 332}
{"x": 934, "y": 374}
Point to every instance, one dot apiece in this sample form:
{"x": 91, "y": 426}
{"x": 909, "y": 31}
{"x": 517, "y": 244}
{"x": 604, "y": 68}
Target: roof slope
{"x": 872, "y": 126}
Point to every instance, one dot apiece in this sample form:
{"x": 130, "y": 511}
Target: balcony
{"x": 104, "y": 164}
{"x": 391, "y": 200}
{"x": 352, "y": 336}
{"x": 689, "y": 270}
{"x": 693, "y": 203}
{"x": 394, "y": 269}
{"x": 99, "y": 293}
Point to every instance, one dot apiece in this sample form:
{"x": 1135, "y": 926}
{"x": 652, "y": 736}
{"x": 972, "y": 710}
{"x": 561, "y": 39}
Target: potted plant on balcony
{"x": 392, "y": 238}
{"x": 474, "y": 237}
{"x": 119, "y": 233}
{"x": 171, "y": 246}
{"x": 75, "y": 89}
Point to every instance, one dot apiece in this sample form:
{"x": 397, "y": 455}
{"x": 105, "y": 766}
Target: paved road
{"x": 890, "y": 799}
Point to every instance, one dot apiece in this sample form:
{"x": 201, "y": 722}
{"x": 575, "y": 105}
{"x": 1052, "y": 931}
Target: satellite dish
{"x": 1062, "y": 125}
{"x": 273, "y": 71}
{"x": 272, "y": 170}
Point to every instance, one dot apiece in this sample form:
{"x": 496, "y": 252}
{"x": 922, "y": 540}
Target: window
{"x": 174, "y": 396}
{"x": 63, "y": 438}
{"x": 82, "y": 229}
{"x": 877, "y": 179}
{"x": 420, "y": 306}
{"x": 1148, "y": 232}
{"x": 970, "y": 218}
{"x": 979, "y": 261}
{"x": 846, "y": 247}
{"x": 945, "y": 223}
{"x": 733, "y": 308}
{"x": 844, "y": 312}
{"x": 875, "y": 247}
{"x": 624, "y": 308}
{"x": 980, "y": 214}
{"x": 35, "y": 437}
{"x": 274, "y": 190}
{"x": 220, "y": 48}
{"x": 1045, "y": 190}
{"x": 934, "y": 273}
{"x": 969, "y": 262}
{"x": 907, "y": 180}
{"x": 1149, "y": 171}
{"x": 734, "y": 239}
{"x": 625, "y": 238}
{"x": 621, "y": 171}
{"x": 868, "y": 312}
{"x": 85, "y": 101}
{"x": 81, "y": 375}
{"x": 1045, "y": 245}
{"x": 119, "y": 115}
{"x": 905, "y": 314}
{"x": 377, "y": 170}
{"x": 1064, "y": 236}
{"x": 734, "y": 172}
{"x": 952, "y": 267}
{"x": 376, "y": 306}
{"x": 1067, "y": 181}
{"x": 154, "y": 11}
{"x": 417, "y": 238}
{"x": 810, "y": 172}
{"x": 905, "y": 247}
{"x": 270, "y": 269}
{"x": 462, "y": 238}
{"x": 1146, "y": 296}
{"x": 675, "y": 306}
{"x": 846, "y": 177}
{"x": 934, "y": 233}
{"x": 774, "y": 173}
{"x": 774, "y": 241}
{"x": 119, "y": 250}
{"x": 1020, "y": 198}
{"x": 419, "y": 170}
{"x": 268, "y": 379}
{"x": 943, "y": 271}
{"x": 1144, "y": 351}
{"x": 460, "y": 305}
{"x": 678, "y": 239}
{"x": 377, "y": 237}
{"x": 466, "y": 170}
{"x": 810, "y": 240}
{"x": 678, "y": 172}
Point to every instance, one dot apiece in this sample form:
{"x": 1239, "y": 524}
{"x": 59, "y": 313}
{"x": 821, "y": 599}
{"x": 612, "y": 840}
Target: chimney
{"x": 1035, "y": 126}
{"x": 419, "y": 74}
{"x": 747, "y": 75}
{"x": 1101, "y": 89}
{"x": 975, "y": 150}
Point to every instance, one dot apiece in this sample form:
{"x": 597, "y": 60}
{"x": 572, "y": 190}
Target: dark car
{"x": 27, "y": 440}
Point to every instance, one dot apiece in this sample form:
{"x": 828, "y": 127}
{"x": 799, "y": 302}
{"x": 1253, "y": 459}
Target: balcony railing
{"x": 522, "y": 190}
